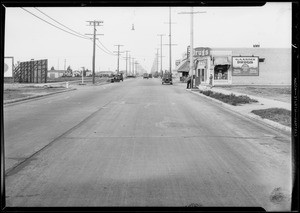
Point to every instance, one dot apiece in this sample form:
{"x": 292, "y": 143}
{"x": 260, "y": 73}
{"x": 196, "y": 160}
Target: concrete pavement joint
{"x": 20, "y": 165}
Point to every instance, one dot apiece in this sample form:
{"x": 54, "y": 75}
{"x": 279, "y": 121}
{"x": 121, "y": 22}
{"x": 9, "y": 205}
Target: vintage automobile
{"x": 167, "y": 78}
{"x": 145, "y": 75}
{"x": 117, "y": 78}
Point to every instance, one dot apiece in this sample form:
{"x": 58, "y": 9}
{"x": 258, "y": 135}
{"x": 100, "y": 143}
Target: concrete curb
{"x": 248, "y": 115}
{"x": 35, "y": 96}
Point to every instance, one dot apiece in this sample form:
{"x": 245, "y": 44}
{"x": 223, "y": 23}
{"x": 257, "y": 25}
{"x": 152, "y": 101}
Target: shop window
{"x": 221, "y": 72}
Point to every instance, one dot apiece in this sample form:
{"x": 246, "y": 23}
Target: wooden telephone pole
{"x": 94, "y": 24}
{"x": 118, "y": 52}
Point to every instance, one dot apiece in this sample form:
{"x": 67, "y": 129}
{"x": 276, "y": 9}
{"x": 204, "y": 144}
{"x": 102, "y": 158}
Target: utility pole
{"x": 136, "y": 63}
{"x": 94, "y": 24}
{"x": 161, "y": 35}
{"x": 82, "y": 75}
{"x": 170, "y": 44}
{"x": 126, "y": 59}
{"x": 157, "y": 59}
{"x": 132, "y": 66}
{"x": 192, "y": 43}
{"x": 170, "y": 40}
{"x": 118, "y": 45}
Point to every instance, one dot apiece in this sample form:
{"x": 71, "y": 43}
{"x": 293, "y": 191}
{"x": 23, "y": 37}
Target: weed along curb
{"x": 36, "y": 96}
{"x": 250, "y": 115}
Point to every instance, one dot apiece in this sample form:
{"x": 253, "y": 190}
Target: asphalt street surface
{"x": 141, "y": 143}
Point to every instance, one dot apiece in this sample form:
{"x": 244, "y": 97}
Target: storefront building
{"x": 240, "y": 66}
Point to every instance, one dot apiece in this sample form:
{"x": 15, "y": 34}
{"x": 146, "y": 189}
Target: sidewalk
{"x": 264, "y": 102}
{"x": 245, "y": 110}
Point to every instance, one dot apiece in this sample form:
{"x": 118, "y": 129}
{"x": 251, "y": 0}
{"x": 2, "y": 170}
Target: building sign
{"x": 8, "y": 66}
{"x": 244, "y": 66}
{"x": 199, "y": 51}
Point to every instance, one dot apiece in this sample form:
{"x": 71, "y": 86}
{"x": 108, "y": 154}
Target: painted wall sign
{"x": 202, "y": 51}
{"x": 245, "y": 66}
{"x": 199, "y": 51}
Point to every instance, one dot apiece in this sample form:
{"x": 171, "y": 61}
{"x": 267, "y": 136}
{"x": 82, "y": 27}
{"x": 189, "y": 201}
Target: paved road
{"x": 140, "y": 143}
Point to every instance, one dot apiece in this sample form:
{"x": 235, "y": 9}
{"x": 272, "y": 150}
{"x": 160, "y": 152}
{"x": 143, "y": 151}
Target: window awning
{"x": 221, "y": 61}
{"x": 184, "y": 67}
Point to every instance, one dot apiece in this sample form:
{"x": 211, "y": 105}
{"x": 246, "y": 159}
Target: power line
{"x": 60, "y": 23}
{"x": 80, "y": 35}
{"x": 104, "y": 50}
{"x": 107, "y": 50}
{"x": 53, "y": 24}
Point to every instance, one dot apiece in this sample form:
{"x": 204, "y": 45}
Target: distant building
{"x": 88, "y": 73}
{"x": 240, "y": 66}
{"x": 105, "y": 73}
{"x": 56, "y": 73}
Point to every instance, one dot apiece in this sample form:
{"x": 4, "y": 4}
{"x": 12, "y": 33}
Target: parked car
{"x": 117, "y": 78}
{"x": 146, "y": 75}
{"x": 167, "y": 78}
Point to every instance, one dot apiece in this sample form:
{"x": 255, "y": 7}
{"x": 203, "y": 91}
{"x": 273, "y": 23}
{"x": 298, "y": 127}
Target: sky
{"x": 27, "y": 37}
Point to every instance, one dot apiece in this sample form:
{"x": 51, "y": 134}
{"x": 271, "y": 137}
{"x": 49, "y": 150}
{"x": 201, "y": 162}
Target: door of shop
{"x": 203, "y": 76}
{"x": 198, "y": 77}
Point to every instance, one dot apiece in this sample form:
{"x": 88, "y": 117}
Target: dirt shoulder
{"x": 15, "y": 91}
{"x": 279, "y": 93}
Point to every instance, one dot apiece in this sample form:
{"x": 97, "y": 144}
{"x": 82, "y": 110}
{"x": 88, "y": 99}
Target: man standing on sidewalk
{"x": 211, "y": 80}
{"x": 188, "y": 81}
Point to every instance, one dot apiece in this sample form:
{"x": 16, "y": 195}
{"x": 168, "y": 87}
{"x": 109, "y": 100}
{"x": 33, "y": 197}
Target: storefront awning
{"x": 221, "y": 61}
{"x": 184, "y": 67}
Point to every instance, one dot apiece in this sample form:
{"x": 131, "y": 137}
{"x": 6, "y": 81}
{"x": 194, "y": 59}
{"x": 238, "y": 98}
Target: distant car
{"x": 116, "y": 78}
{"x": 146, "y": 75}
{"x": 167, "y": 78}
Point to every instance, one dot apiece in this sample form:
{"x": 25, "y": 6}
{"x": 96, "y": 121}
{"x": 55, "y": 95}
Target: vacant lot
{"x": 22, "y": 92}
{"x": 279, "y": 115}
{"x": 280, "y": 93}
{"x": 63, "y": 79}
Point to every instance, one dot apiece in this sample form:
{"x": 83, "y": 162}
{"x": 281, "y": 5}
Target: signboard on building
{"x": 8, "y": 66}
{"x": 199, "y": 51}
{"x": 245, "y": 66}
